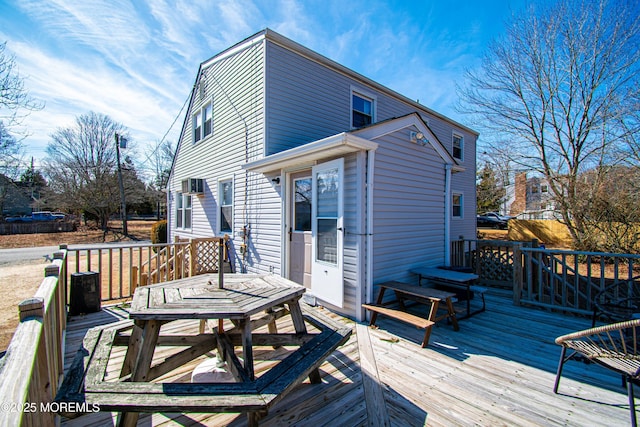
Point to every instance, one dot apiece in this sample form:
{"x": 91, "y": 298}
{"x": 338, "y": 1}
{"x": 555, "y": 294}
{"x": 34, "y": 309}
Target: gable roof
{"x": 385, "y": 127}
{"x": 274, "y": 37}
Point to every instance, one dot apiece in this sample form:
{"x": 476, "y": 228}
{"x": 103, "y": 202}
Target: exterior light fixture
{"x": 419, "y": 138}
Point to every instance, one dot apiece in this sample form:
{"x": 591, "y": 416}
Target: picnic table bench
{"x": 403, "y": 291}
{"x": 453, "y": 279}
{"x": 85, "y": 383}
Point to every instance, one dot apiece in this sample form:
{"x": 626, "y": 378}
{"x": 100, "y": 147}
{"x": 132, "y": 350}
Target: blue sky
{"x": 137, "y": 60}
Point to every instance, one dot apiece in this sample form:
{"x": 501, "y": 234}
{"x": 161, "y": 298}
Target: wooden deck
{"x": 498, "y": 369}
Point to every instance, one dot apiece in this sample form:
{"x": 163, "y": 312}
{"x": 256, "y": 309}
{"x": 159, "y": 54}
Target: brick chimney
{"x": 519, "y": 204}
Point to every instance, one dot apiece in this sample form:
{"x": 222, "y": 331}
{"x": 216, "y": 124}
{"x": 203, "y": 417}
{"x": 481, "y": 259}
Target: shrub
{"x": 159, "y": 233}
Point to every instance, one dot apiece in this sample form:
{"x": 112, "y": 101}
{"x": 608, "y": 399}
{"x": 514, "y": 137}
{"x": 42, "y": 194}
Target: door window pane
{"x": 327, "y": 241}
{"x": 302, "y": 211}
{"x": 327, "y": 192}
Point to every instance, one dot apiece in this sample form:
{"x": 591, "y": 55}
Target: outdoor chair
{"x": 614, "y": 346}
{"x": 617, "y": 302}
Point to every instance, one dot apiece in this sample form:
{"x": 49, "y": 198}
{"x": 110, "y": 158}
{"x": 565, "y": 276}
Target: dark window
{"x": 457, "y": 147}
{"x": 362, "y": 113}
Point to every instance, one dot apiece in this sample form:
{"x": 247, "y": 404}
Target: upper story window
{"x": 202, "y": 122}
{"x": 362, "y": 110}
{"x": 456, "y": 205}
{"x": 458, "y": 146}
{"x": 225, "y": 200}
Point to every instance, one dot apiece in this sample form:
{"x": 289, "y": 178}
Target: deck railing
{"x": 123, "y": 268}
{"x": 32, "y": 367}
{"x": 569, "y": 280}
{"x": 551, "y": 278}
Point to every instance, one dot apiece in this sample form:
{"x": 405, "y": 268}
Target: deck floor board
{"x": 497, "y": 370}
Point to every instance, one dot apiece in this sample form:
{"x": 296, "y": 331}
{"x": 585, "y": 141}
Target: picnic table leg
{"x": 452, "y": 315}
{"x": 143, "y": 355}
{"x": 247, "y": 347}
{"x": 301, "y": 328}
{"x": 374, "y": 315}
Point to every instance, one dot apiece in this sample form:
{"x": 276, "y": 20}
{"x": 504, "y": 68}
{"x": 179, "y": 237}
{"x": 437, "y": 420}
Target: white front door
{"x": 327, "y": 231}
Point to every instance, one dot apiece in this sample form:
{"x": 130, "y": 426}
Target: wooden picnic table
{"x": 420, "y": 294}
{"x": 268, "y": 297}
{"x": 453, "y": 279}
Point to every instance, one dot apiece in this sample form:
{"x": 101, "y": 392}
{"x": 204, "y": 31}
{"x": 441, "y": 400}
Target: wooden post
{"x": 192, "y": 257}
{"x": 51, "y": 270}
{"x": 220, "y": 263}
{"x": 517, "y": 273}
{"x": 31, "y": 307}
{"x": 133, "y": 282}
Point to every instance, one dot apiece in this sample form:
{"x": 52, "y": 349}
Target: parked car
{"x": 46, "y": 216}
{"x": 498, "y": 216}
{"x": 24, "y": 218}
{"x": 486, "y": 221}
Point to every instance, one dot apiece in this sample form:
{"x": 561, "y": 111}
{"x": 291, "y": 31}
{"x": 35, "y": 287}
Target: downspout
{"x": 447, "y": 214}
{"x": 369, "y": 232}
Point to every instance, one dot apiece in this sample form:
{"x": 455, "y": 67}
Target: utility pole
{"x": 123, "y": 206}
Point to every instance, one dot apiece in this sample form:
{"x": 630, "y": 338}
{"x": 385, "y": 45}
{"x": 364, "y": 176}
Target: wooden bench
{"x": 429, "y": 296}
{"x": 403, "y": 316}
{"x": 84, "y": 382}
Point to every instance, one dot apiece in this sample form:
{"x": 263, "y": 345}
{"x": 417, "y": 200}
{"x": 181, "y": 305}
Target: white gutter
{"x": 447, "y": 214}
{"x": 369, "y": 190}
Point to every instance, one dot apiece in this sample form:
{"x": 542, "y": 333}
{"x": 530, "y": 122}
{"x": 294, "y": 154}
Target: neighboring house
{"x": 318, "y": 173}
{"x": 531, "y": 198}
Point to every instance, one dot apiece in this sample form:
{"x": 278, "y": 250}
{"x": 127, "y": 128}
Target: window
{"x": 458, "y": 145}
{"x": 302, "y": 210}
{"x": 183, "y": 210}
{"x": 225, "y": 196}
{"x": 362, "y": 110}
{"x": 544, "y": 189}
{"x": 197, "y": 126}
{"x": 206, "y": 112}
{"x": 202, "y": 122}
{"x": 457, "y": 205}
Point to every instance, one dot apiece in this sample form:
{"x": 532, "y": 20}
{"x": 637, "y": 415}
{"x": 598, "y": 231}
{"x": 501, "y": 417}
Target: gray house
{"x": 318, "y": 173}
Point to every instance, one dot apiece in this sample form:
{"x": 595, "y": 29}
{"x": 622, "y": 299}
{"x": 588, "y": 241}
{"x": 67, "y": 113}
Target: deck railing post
{"x": 517, "y": 274}
{"x": 31, "y": 307}
{"x": 220, "y": 263}
{"x": 192, "y": 257}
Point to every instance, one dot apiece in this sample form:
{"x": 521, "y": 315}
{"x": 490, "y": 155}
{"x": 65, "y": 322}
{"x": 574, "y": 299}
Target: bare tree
{"x": 81, "y": 166}
{"x": 15, "y": 101}
{"x": 161, "y": 157}
{"x": 559, "y": 88}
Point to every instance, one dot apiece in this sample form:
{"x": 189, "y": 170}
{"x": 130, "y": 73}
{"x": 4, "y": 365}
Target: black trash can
{"x": 85, "y": 293}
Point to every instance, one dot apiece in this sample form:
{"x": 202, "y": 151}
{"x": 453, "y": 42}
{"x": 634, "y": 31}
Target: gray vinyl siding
{"x": 238, "y": 132}
{"x": 408, "y": 215}
{"x": 308, "y": 100}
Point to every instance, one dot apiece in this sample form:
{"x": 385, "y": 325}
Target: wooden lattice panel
{"x": 206, "y": 256}
{"x": 496, "y": 265}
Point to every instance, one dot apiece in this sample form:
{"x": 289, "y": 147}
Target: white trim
{"x": 361, "y": 209}
{"x": 369, "y": 273}
{"x": 336, "y": 145}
